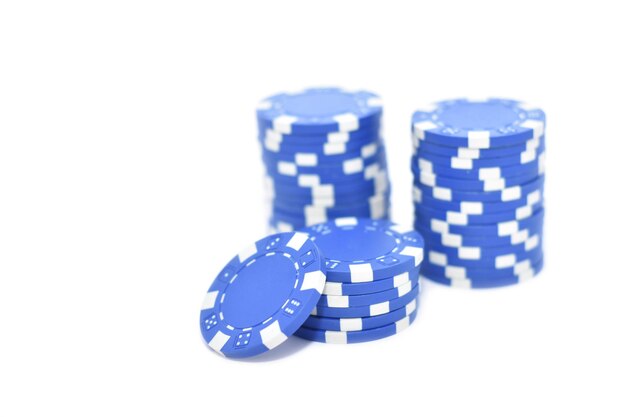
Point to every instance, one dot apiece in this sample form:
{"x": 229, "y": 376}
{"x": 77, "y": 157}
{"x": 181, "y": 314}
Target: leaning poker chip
{"x": 345, "y": 301}
{"x": 453, "y": 240}
{"x": 319, "y": 111}
{"x": 364, "y": 250}
{"x": 449, "y": 257}
{"x": 534, "y": 198}
{"x": 368, "y": 311}
{"x": 425, "y": 163}
{"x": 507, "y": 228}
{"x": 482, "y": 281}
{"x": 479, "y": 124}
{"x": 360, "y": 323}
{"x": 328, "y": 336}
{"x": 472, "y": 153}
{"x": 508, "y": 194}
{"x": 263, "y": 295}
{"x": 343, "y": 288}
{"x": 497, "y": 184}
{"x": 463, "y": 219}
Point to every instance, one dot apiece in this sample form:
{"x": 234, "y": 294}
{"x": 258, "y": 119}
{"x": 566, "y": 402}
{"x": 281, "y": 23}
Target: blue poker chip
{"x": 481, "y": 280}
{"x": 349, "y": 169}
{"x": 345, "y": 301}
{"x": 425, "y": 163}
{"x": 313, "y": 158}
{"x": 288, "y": 201}
{"x": 328, "y": 336}
{"x": 371, "y": 130}
{"x": 487, "y": 231}
{"x": 480, "y": 252}
{"x": 494, "y": 184}
{"x": 533, "y": 198}
{"x": 368, "y": 311}
{"x": 463, "y": 219}
{"x": 319, "y": 110}
{"x": 364, "y": 250}
{"x": 376, "y": 209}
{"x": 321, "y": 149}
{"x": 263, "y": 295}
{"x": 443, "y": 256}
{"x": 360, "y": 323}
{"x": 480, "y": 124}
{"x": 344, "y": 288}
{"x": 512, "y": 193}
{"x": 444, "y": 162}
{"x": 472, "y": 153}
{"x": 455, "y": 240}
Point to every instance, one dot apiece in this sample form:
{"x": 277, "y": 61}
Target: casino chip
{"x": 324, "y": 157}
{"x": 263, "y": 295}
{"x": 478, "y": 191}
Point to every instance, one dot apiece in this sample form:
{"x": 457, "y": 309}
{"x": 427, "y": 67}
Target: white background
{"x": 130, "y": 173}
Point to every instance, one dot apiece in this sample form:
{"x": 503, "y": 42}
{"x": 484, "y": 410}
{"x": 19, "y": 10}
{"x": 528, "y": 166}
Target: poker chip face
{"x": 263, "y": 295}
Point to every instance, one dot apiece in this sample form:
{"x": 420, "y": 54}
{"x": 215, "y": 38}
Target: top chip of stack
{"x": 324, "y": 156}
{"x": 478, "y": 190}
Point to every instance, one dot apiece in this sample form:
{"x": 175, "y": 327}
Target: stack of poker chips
{"x": 478, "y": 191}
{"x": 324, "y": 156}
{"x": 372, "y": 280}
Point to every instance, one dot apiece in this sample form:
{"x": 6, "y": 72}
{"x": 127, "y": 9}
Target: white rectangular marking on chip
{"x": 471, "y": 207}
{"x": 350, "y": 325}
{"x": 308, "y": 180}
{"x": 508, "y": 228}
{"x": 519, "y": 237}
{"x": 478, "y": 139}
{"x": 411, "y": 307}
{"x": 460, "y": 163}
{"x": 337, "y": 137}
{"x": 532, "y": 243}
{"x": 352, "y": 166}
{"x": 468, "y": 153}
{"x": 512, "y": 193}
{"x": 333, "y": 288}
{"x": 347, "y": 122}
{"x": 401, "y": 228}
{"x": 415, "y": 252}
{"x": 361, "y": 273}
{"x": 335, "y": 337}
{"x": 439, "y": 226}
{"x": 489, "y": 173}
{"x": 536, "y": 125}
{"x": 369, "y": 150}
{"x": 209, "y": 300}
{"x": 324, "y": 191}
{"x": 287, "y": 168}
{"x": 283, "y": 123}
{"x": 297, "y": 240}
{"x": 454, "y": 217}
{"x": 425, "y": 165}
{"x": 437, "y": 258}
{"x": 461, "y": 283}
{"x": 494, "y": 184}
{"x": 380, "y": 308}
{"x": 505, "y": 261}
{"x": 533, "y": 198}
{"x": 469, "y": 253}
{"x": 404, "y": 289}
{"x": 306, "y": 159}
{"x": 523, "y": 212}
{"x": 346, "y": 221}
{"x": 334, "y": 148}
{"x": 417, "y": 194}
{"x": 451, "y": 240}
{"x": 371, "y": 171}
{"x": 421, "y": 127}
{"x": 528, "y": 156}
{"x": 455, "y": 272}
{"x": 402, "y": 324}
{"x": 313, "y": 280}
{"x": 272, "y": 145}
{"x": 338, "y": 301}
{"x": 246, "y": 253}
{"x": 400, "y": 279}
{"x": 218, "y": 341}
{"x": 272, "y": 335}
{"x": 442, "y": 193}
{"x": 522, "y": 266}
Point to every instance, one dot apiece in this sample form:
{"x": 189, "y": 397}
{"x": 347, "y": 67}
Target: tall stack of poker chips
{"x": 324, "y": 156}
{"x": 372, "y": 280}
{"x": 478, "y": 191}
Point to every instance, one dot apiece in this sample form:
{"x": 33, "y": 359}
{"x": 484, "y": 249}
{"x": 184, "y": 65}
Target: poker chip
{"x": 376, "y": 309}
{"x": 324, "y": 156}
{"x": 263, "y": 295}
{"x": 339, "y": 337}
{"x": 345, "y": 301}
{"x": 479, "y": 168}
{"x": 343, "y": 288}
{"x": 364, "y": 250}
